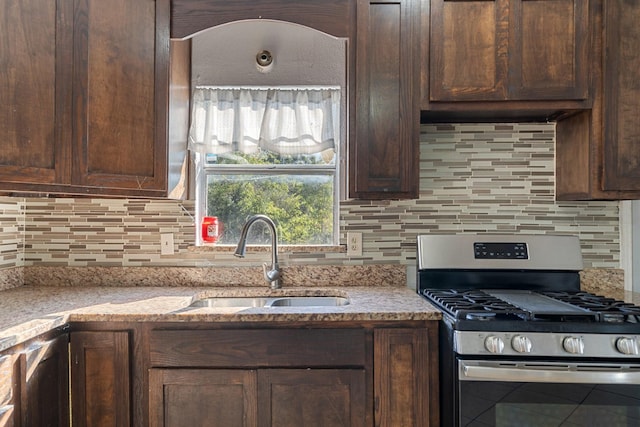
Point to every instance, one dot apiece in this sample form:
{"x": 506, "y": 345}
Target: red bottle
{"x": 210, "y": 229}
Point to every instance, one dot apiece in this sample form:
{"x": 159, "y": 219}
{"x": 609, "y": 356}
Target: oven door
{"x": 516, "y": 393}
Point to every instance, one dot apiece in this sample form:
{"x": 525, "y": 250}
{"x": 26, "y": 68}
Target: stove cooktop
{"x": 515, "y": 283}
{"x": 532, "y": 306}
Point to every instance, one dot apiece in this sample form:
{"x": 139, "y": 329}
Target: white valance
{"x": 282, "y": 120}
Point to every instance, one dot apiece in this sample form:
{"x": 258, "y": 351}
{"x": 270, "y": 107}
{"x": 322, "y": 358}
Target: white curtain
{"x": 282, "y": 120}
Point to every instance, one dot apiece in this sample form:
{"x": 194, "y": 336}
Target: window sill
{"x": 213, "y": 248}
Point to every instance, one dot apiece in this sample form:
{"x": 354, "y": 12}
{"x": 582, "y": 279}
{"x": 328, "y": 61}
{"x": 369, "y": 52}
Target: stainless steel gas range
{"x": 520, "y": 343}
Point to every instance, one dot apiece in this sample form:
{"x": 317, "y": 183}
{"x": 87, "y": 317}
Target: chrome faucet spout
{"x": 272, "y": 276}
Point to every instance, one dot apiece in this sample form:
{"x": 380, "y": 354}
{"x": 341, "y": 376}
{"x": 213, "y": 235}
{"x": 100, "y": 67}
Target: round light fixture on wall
{"x": 264, "y": 61}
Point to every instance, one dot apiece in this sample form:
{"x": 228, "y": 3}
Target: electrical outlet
{"x": 354, "y": 244}
{"x": 166, "y": 244}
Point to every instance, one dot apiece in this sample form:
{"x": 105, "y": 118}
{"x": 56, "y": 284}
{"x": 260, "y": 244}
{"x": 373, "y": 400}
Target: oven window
{"x": 508, "y": 404}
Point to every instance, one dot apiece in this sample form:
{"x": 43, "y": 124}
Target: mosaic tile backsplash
{"x": 12, "y": 219}
{"x": 474, "y": 178}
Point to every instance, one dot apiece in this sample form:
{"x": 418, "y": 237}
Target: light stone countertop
{"x": 28, "y": 311}
{"x": 38, "y": 299}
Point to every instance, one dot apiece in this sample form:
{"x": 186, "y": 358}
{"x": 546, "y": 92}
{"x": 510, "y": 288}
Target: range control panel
{"x": 495, "y": 250}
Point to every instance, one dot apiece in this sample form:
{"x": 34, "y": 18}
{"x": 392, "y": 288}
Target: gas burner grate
{"x": 480, "y": 305}
{"x": 610, "y": 310}
{"x": 474, "y": 305}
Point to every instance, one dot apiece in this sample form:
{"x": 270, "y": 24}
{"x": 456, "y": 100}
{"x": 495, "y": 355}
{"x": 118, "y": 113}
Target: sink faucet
{"x": 273, "y": 275}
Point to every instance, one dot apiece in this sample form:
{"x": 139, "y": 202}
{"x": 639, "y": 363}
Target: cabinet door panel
{"x": 228, "y": 348}
{"x": 100, "y": 379}
{"x": 34, "y": 42}
{"x": 405, "y": 377}
{"x": 202, "y": 397}
{"x": 469, "y": 48}
{"x": 548, "y": 49}
{"x": 622, "y": 96}
{"x": 384, "y": 157}
{"x": 9, "y": 406}
{"x": 7, "y": 416}
{"x": 44, "y": 372}
{"x": 121, "y": 63}
{"x": 311, "y": 398}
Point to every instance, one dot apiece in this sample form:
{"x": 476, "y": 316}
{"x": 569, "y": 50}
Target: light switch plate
{"x": 166, "y": 244}
{"x": 354, "y": 244}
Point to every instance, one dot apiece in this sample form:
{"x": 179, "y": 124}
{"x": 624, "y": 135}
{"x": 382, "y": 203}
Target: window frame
{"x": 203, "y": 170}
{"x": 337, "y": 169}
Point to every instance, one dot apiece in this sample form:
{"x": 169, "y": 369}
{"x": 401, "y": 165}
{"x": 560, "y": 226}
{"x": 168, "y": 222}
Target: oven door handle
{"x": 564, "y": 373}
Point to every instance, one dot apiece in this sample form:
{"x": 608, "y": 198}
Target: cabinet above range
{"x": 508, "y": 59}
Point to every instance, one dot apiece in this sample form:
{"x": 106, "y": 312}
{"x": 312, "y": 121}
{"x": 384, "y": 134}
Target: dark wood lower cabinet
{"x": 202, "y": 397}
{"x": 302, "y": 376}
{"x": 100, "y": 379}
{"x": 311, "y": 398}
{"x": 250, "y": 398}
{"x": 9, "y": 379}
{"x": 406, "y": 377}
{"x": 354, "y": 374}
{"x": 44, "y": 384}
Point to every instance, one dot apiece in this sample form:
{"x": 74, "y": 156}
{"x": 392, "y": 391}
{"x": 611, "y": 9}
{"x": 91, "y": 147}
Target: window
{"x": 272, "y": 151}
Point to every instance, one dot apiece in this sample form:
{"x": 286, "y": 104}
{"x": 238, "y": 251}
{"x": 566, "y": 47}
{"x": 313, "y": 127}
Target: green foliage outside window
{"x": 301, "y": 207}
{"x": 301, "y": 204}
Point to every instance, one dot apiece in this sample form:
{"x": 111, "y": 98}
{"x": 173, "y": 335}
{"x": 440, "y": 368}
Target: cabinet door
{"x": 9, "y": 378}
{"x": 44, "y": 377}
{"x": 509, "y": 50}
{"x": 34, "y": 104}
{"x": 100, "y": 379}
{"x": 311, "y": 398}
{"x": 406, "y": 377}
{"x": 469, "y": 50}
{"x": 202, "y": 397}
{"x": 548, "y": 53}
{"x": 622, "y": 97}
{"x": 121, "y": 56}
{"x": 384, "y": 156}
{"x": 597, "y": 156}
{"x": 7, "y": 416}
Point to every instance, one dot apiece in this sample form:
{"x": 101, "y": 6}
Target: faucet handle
{"x": 272, "y": 276}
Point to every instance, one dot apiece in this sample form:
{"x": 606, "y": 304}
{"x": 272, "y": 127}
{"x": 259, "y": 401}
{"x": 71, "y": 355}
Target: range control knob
{"x": 628, "y": 346}
{"x": 494, "y": 344}
{"x": 521, "y": 344}
{"x": 573, "y": 345}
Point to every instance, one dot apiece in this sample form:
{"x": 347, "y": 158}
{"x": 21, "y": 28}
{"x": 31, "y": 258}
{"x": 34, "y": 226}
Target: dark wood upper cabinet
{"x": 469, "y": 45}
{"x": 525, "y": 51}
{"x": 383, "y": 152}
{"x": 84, "y": 107}
{"x": 548, "y": 52}
{"x": 121, "y": 56}
{"x": 191, "y": 16}
{"x": 383, "y": 77}
{"x": 35, "y": 105}
{"x": 622, "y": 97}
{"x": 597, "y": 154}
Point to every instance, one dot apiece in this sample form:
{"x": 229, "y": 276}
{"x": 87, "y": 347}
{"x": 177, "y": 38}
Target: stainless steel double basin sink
{"x": 282, "y": 301}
